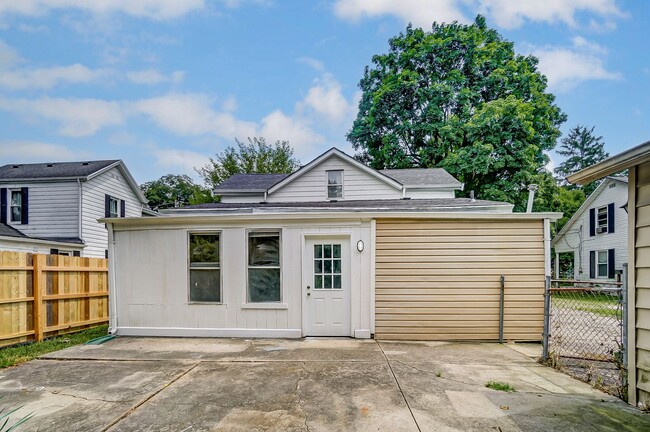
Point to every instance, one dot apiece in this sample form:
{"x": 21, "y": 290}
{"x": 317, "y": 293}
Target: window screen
{"x": 205, "y": 268}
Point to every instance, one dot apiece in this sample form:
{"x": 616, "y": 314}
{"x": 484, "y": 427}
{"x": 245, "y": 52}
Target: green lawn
{"x": 599, "y": 304}
{"x": 12, "y": 355}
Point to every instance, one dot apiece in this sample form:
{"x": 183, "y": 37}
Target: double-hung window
{"x": 601, "y": 220}
{"x": 335, "y": 184}
{"x": 264, "y": 267}
{"x": 112, "y": 207}
{"x": 205, "y": 268}
{"x": 602, "y": 264}
{"x": 16, "y": 210}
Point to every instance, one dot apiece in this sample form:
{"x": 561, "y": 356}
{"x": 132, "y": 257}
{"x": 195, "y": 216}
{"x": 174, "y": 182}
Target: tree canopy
{"x": 581, "y": 148}
{"x": 460, "y": 98}
{"x": 174, "y": 191}
{"x": 255, "y": 157}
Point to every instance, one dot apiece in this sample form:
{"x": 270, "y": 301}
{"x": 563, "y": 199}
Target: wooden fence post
{"x": 39, "y": 287}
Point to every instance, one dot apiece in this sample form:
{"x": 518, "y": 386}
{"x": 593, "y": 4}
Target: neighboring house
{"x": 54, "y": 207}
{"x": 637, "y": 162}
{"x": 597, "y": 234}
{"x": 333, "y": 249}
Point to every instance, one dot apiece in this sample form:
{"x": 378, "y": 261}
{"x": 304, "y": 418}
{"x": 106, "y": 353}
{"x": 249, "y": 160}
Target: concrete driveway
{"x": 188, "y": 385}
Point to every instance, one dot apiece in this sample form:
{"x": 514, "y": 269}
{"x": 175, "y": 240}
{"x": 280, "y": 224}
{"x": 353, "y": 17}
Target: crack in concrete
{"x": 58, "y": 393}
{"x": 297, "y": 392}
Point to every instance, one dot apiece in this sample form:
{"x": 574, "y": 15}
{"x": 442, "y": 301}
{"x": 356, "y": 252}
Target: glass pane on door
{"x": 327, "y": 266}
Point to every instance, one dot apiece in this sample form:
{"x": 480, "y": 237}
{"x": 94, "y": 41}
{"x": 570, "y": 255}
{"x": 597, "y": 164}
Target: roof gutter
{"x": 622, "y": 161}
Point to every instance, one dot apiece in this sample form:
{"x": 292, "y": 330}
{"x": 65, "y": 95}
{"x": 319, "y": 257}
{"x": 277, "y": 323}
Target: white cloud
{"x": 230, "y": 104}
{"x": 77, "y": 117}
{"x": 312, "y": 63}
{"x": 505, "y": 13}
{"x": 326, "y": 100}
{"x": 182, "y": 159}
{"x": 8, "y": 56}
{"x": 153, "y": 9}
{"x": 420, "y": 12}
{"x": 30, "y": 151}
{"x": 566, "y": 67}
{"x": 153, "y": 77}
{"x": 45, "y": 78}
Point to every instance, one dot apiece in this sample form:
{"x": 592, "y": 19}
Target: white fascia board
{"x": 330, "y": 153}
{"x": 622, "y": 161}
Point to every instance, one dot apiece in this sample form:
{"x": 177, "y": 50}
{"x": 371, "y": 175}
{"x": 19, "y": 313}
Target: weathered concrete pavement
{"x": 164, "y": 384}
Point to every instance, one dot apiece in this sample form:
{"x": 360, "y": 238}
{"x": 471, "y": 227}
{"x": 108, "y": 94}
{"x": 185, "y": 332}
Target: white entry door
{"x": 326, "y": 287}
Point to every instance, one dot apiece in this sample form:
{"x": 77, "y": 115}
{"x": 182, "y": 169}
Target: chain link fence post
{"x": 501, "y": 307}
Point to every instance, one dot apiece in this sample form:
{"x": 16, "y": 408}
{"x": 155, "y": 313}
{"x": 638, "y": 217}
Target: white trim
{"x": 631, "y": 286}
{"x": 278, "y": 306}
{"x": 373, "y": 272}
{"x": 209, "y": 332}
{"x": 617, "y": 163}
{"x": 127, "y": 175}
{"x": 547, "y": 247}
{"x": 362, "y": 334}
{"x": 334, "y": 152}
{"x": 112, "y": 291}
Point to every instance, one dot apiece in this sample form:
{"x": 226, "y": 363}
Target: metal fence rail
{"x": 585, "y": 332}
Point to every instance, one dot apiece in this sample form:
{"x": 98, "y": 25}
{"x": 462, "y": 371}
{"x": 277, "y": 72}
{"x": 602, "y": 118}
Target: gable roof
{"x": 422, "y": 177}
{"x": 334, "y": 152}
{"x": 9, "y": 231}
{"x": 84, "y": 170}
{"x": 617, "y": 163}
{"x": 249, "y": 182}
{"x": 585, "y": 205}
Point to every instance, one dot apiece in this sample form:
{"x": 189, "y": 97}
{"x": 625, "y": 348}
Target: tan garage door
{"x": 440, "y": 280}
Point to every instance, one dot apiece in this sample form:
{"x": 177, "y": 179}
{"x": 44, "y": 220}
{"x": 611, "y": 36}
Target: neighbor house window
{"x": 112, "y": 207}
{"x": 264, "y": 266}
{"x": 601, "y": 220}
{"x": 601, "y": 257}
{"x": 16, "y": 209}
{"x": 205, "y": 268}
{"x": 335, "y": 184}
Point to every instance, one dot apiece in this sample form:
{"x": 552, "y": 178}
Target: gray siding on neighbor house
{"x": 53, "y": 209}
{"x": 112, "y": 183}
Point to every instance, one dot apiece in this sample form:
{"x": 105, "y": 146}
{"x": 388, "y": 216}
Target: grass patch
{"x": 500, "y": 386}
{"x": 13, "y": 355}
{"x": 599, "y": 304}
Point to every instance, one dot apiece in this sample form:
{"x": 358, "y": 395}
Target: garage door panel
{"x": 440, "y": 280}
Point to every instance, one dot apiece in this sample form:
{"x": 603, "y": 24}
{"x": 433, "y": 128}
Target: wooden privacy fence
{"x": 44, "y": 295}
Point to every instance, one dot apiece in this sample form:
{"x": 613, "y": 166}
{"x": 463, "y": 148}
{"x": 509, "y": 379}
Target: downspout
{"x": 403, "y": 192}
{"x": 80, "y": 230}
{"x": 112, "y": 292}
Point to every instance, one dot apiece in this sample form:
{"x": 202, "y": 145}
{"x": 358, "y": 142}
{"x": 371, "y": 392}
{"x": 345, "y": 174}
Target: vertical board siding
{"x": 357, "y": 185}
{"x": 440, "y": 279}
{"x": 112, "y": 183}
{"x": 642, "y": 281}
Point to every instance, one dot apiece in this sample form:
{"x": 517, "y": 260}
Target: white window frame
{"x": 218, "y": 266}
{"x": 605, "y": 224}
{"x": 11, "y": 206}
{"x": 328, "y": 185}
{"x": 110, "y": 207}
{"x": 279, "y": 266}
{"x": 606, "y": 264}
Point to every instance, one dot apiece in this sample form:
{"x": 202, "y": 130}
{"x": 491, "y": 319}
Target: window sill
{"x": 265, "y": 306}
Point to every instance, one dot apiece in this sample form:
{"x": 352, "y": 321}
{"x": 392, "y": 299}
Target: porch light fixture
{"x": 360, "y": 245}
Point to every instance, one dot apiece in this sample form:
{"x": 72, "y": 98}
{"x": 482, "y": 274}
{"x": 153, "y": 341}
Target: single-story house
{"x": 637, "y": 161}
{"x": 333, "y": 249}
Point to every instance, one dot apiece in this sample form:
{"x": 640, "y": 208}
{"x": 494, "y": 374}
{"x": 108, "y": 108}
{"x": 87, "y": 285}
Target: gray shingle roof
{"x": 52, "y": 170}
{"x": 9, "y": 231}
{"x": 259, "y": 182}
{"x": 432, "y": 204}
{"x": 421, "y": 176}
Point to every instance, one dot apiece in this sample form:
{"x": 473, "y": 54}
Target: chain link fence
{"x": 585, "y": 332}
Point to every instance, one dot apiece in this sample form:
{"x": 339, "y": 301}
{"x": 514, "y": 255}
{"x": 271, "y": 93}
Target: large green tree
{"x": 458, "y": 97}
{"x": 581, "y": 148}
{"x": 175, "y": 191}
{"x": 255, "y": 157}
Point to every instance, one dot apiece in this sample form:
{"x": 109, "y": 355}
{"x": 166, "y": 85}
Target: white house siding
{"x": 34, "y": 247}
{"x": 151, "y": 281}
{"x": 430, "y": 193}
{"x": 244, "y": 198}
{"x": 357, "y": 185}
{"x": 53, "y": 209}
{"x": 579, "y": 229}
{"x": 112, "y": 183}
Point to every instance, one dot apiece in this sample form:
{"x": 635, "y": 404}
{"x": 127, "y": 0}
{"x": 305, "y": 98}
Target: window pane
{"x": 602, "y": 270}
{"x": 327, "y": 251}
{"x": 334, "y": 177}
{"x": 337, "y": 281}
{"x": 15, "y": 214}
{"x": 328, "y": 281}
{"x": 318, "y": 251}
{"x": 602, "y": 257}
{"x": 16, "y": 198}
{"x": 204, "y": 286}
{"x": 318, "y": 266}
{"x": 334, "y": 191}
{"x": 204, "y": 249}
{"x": 318, "y": 281}
{"x": 328, "y": 266}
{"x": 264, "y": 249}
{"x": 337, "y": 266}
{"x": 336, "y": 250}
{"x": 263, "y": 285}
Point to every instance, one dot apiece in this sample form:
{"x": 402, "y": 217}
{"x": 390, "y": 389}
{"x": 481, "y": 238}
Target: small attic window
{"x": 85, "y": 163}
{"x": 50, "y": 165}
{"x": 16, "y": 166}
{"x": 334, "y": 184}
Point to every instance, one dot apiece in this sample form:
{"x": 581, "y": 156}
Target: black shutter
{"x": 611, "y": 223}
{"x": 592, "y": 265}
{"x": 122, "y": 208}
{"x": 592, "y": 222}
{"x": 3, "y": 205}
{"x": 76, "y": 253}
{"x": 107, "y": 205}
{"x": 611, "y": 263}
{"x": 24, "y": 201}
{"x": 106, "y": 253}
{"x": 54, "y": 251}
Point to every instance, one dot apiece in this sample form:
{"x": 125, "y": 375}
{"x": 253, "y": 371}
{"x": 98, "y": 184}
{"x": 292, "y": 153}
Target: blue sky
{"x": 164, "y": 84}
